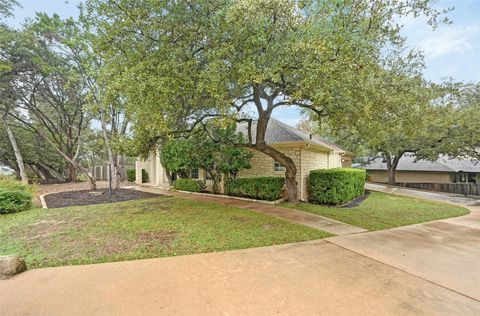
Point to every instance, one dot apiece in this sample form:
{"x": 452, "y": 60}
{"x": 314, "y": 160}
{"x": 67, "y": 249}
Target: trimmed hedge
{"x": 262, "y": 188}
{"x": 131, "y": 175}
{"x": 187, "y": 185}
{"x": 336, "y": 186}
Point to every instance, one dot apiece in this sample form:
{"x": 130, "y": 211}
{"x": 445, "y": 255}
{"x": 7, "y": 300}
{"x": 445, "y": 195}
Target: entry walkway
{"x": 308, "y": 219}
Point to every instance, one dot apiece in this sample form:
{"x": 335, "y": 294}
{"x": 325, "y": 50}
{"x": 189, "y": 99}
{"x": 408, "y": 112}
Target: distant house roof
{"x": 279, "y": 132}
{"x": 442, "y": 164}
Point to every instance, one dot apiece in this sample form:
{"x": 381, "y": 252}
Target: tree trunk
{"x": 71, "y": 173}
{"x": 112, "y": 158}
{"x": 76, "y": 165}
{"x": 169, "y": 177}
{"x": 287, "y": 162}
{"x": 291, "y": 184}
{"x": 392, "y": 167}
{"x": 16, "y": 150}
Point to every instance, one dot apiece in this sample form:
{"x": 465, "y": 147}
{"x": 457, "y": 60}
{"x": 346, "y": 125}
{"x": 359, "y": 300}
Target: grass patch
{"x": 148, "y": 228}
{"x": 382, "y": 211}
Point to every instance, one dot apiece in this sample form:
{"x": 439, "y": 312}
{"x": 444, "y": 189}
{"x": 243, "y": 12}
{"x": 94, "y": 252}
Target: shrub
{"x": 262, "y": 188}
{"x": 144, "y": 176}
{"x": 187, "y": 185}
{"x": 336, "y": 186}
{"x": 131, "y": 175}
{"x": 12, "y": 201}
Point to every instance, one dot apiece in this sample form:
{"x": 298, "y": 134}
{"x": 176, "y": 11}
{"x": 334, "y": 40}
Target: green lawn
{"x": 382, "y": 211}
{"x": 147, "y": 228}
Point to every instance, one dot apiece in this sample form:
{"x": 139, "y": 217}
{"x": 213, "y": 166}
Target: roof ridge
{"x": 287, "y": 127}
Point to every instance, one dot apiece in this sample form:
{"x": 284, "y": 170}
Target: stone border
{"x": 42, "y": 200}
{"x": 276, "y": 202}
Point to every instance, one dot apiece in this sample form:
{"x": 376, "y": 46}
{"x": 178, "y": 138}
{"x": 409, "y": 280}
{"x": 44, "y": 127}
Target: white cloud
{"x": 457, "y": 40}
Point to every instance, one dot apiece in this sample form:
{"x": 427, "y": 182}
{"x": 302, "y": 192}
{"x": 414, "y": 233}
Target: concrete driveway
{"x": 310, "y": 278}
{"x": 445, "y": 252}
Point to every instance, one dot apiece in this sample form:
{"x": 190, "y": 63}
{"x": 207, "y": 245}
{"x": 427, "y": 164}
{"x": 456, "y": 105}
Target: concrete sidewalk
{"x": 309, "y": 278}
{"x": 295, "y": 216}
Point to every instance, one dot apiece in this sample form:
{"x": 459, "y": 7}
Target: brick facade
{"x": 306, "y": 158}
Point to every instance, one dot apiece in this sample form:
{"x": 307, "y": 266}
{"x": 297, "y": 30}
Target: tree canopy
{"x": 179, "y": 63}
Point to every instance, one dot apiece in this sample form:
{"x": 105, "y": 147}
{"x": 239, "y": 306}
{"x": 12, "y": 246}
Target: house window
{"x": 194, "y": 174}
{"x": 209, "y": 176}
{"x": 279, "y": 166}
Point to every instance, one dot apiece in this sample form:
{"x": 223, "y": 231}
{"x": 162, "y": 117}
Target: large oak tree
{"x": 179, "y": 63}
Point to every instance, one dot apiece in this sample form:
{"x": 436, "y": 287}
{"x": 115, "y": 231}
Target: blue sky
{"x": 450, "y": 51}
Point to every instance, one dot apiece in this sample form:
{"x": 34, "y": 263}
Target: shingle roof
{"x": 442, "y": 164}
{"x": 279, "y": 132}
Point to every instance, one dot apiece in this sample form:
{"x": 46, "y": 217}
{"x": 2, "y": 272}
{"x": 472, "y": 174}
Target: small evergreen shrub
{"x": 187, "y": 185}
{"x": 262, "y": 188}
{"x": 144, "y": 176}
{"x": 14, "y": 201}
{"x": 15, "y": 196}
{"x": 335, "y": 186}
{"x": 131, "y": 175}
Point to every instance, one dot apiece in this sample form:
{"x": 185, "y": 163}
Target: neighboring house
{"x": 443, "y": 170}
{"x": 309, "y": 152}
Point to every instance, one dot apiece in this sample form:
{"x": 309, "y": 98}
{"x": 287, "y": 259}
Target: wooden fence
{"x": 458, "y": 188}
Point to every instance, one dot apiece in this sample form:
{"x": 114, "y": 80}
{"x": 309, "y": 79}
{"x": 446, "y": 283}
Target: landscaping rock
{"x": 11, "y": 265}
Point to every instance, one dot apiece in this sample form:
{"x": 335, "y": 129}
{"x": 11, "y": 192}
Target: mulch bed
{"x": 89, "y": 197}
{"x": 355, "y": 202}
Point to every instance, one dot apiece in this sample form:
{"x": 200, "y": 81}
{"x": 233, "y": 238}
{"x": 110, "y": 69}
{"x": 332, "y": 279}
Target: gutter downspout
{"x": 301, "y": 175}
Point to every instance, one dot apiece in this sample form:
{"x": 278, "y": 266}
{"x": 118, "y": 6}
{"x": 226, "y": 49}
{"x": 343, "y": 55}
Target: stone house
{"x": 308, "y": 151}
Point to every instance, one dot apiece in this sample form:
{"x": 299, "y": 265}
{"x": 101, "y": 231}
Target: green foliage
{"x": 180, "y": 227}
{"x": 11, "y": 184}
{"x": 211, "y": 152}
{"x": 383, "y": 211}
{"x": 187, "y": 185}
{"x": 227, "y": 49}
{"x": 144, "y": 176}
{"x": 15, "y": 196}
{"x": 262, "y": 188}
{"x": 131, "y": 175}
{"x": 335, "y": 186}
{"x": 14, "y": 201}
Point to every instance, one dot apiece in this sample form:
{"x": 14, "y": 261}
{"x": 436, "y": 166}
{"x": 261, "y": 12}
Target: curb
{"x": 42, "y": 200}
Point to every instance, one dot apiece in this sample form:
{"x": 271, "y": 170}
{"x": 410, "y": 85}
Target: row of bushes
{"x": 262, "y": 188}
{"x": 189, "y": 185}
{"x": 15, "y": 196}
{"x": 336, "y": 186}
{"x": 131, "y": 175}
{"x": 326, "y": 186}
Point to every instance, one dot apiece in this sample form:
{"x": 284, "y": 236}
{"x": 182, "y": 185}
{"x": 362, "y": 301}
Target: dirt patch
{"x": 269, "y": 226}
{"x": 165, "y": 237}
{"x": 88, "y": 197}
{"x": 242, "y": 219}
